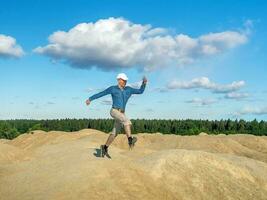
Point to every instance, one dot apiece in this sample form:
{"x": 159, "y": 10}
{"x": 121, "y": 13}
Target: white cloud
{"x": 159, "y": 89}
{"x": 9, "y": 47}
{"x": 236, "y": 95}
{"x": 118, "y": 43}
{"x": 217, "y": 42}
{"x": 50, "y": 103}
{"x": 205, "y": 83}
{"x": 202, "y": 101}
{"x": 149, "y": 110}
{"x": 253, "y": 110}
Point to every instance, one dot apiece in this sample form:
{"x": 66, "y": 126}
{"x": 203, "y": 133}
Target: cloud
{"x": 115, "y": 43}
{"x": 160, "y": 89}
{"x": 9, "y": 47}
{"x": 205, "y": 83}
{"x": 149, "y": 110}
{"x": 202, "y": 102}
{"x": 106, "y": 102}
{"x": 89, "y": 89}
{"x": 236, "y": 95}
{"x": 253, "y": 110}
{"x": 248, "y": 25}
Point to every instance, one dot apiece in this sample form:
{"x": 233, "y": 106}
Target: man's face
{"x": 121, "y": 82}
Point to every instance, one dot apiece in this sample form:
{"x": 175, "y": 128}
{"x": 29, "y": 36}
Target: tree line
{"x": 10, "y": 129}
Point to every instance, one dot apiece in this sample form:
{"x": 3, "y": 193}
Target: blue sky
{"x": 203, "y": 59}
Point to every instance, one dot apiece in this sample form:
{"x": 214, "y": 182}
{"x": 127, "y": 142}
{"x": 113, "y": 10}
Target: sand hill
{"x": 59, "y": 165}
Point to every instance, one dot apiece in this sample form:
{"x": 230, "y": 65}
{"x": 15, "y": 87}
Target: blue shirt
{"x": 119, "y": 96}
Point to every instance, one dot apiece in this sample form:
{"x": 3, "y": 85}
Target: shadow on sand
{"x": 97, "y": 153}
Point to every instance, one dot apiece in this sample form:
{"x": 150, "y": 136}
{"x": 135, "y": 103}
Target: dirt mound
{"x": 203, "y": 134}
{"x": 38, "y": 138}
{"x": 58, "y": 165}
{"x": 9, "y": 153}
{"x": 4, "y": 140}
{"x": 203, "y": 175}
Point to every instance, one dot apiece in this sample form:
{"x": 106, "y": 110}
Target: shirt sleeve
{"x": 101, "y": 94}
{"x": 138, "y": 91}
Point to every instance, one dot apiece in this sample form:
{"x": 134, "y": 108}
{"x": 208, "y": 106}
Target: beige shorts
{"x": 120, "y": 120}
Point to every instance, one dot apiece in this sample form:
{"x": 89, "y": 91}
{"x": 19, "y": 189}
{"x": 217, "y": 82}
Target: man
{"x": 120, "y": 94}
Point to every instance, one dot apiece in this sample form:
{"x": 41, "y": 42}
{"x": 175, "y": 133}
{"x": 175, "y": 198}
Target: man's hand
{"x": 144, "y": 80}
{"x": 88, "y": 102}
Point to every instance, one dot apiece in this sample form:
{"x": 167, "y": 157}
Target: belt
{"x": 120, "y": 110}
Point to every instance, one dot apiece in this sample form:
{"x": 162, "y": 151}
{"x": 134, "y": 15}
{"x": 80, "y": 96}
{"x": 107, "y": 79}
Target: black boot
{"x": 104, "y": 151}
{"x": 132, "y": 141}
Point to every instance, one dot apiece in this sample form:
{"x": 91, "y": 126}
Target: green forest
{"x": 10, "y": 129}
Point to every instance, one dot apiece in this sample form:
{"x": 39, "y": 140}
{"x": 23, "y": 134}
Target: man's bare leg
{"x": 116, "y": 129}
{"x": 104, "y": 148}
{"x": 110, "y": 139}
{"x": 127, "y": 129}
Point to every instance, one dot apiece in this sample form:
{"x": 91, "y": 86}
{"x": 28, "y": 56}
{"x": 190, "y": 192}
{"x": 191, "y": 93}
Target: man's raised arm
{"x": 141, "y": 89}
{"x": 98, "y": 95}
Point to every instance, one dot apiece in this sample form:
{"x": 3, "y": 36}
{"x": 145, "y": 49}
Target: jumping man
{"x": 120, "y": 94}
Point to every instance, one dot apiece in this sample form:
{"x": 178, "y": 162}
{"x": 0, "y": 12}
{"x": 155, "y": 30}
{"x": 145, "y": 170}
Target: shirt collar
{"x": 120, "y": 87}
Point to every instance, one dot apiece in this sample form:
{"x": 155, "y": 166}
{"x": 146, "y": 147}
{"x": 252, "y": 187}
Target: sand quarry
{"x": 59, "y": 165}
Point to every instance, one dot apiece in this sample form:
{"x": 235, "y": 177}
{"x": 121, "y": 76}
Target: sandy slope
{"x": 58, "y": 165}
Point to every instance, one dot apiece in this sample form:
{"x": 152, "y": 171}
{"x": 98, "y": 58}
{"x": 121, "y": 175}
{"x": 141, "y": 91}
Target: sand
{"x": 59, "y": 165}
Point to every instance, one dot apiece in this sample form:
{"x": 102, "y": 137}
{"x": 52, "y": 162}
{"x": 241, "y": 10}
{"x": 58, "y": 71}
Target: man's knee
{"x": 127, "y": 123}
{"x": 114, "y": 134}
{"x": 127, "y": 128}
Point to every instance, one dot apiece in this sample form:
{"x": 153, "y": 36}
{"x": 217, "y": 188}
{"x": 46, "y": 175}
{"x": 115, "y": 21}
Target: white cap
{"x": 122, "y": 76}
